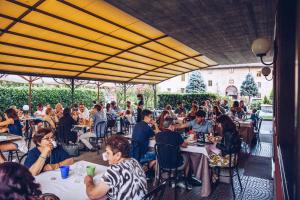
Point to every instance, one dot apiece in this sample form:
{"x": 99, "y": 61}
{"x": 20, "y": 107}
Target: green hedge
{"x": 186, "y": 99}
{"x": 19, "y": 96}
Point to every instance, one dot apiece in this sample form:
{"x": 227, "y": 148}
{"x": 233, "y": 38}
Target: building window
{"x": 210, "y": 83}
{"x": 259, "y": 95}
{"x": 231, "y": 70}
{"x": 231, "y": 81}
{"x": 259, "y": 84}
{"x": 169, "y": 89}
{"x": 258, "y": 74}
{"x": 182, "y": 90}
{"x": 183, "y": 77}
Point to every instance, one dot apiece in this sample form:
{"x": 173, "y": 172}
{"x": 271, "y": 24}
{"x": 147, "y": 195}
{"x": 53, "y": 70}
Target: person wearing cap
{"x": 199, "y": 124}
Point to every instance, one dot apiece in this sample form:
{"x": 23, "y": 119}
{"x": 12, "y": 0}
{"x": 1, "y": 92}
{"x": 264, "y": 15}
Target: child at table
{"x": 254, "y": 118}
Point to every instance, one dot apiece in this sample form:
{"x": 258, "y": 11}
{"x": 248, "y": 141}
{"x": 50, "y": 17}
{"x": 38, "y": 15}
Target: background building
{"x": 224, "y": 80}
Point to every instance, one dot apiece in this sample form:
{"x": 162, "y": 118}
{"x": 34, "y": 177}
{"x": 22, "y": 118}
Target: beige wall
{"x": 221, "y": 78}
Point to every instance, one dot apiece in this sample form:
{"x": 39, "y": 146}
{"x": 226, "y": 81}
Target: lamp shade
{"x": 266, "y": 71}
{"x": 261, "y": 46}
{"x": 25, "y": 108}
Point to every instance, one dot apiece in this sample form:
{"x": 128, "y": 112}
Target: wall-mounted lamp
{"x": 260, "y": 48}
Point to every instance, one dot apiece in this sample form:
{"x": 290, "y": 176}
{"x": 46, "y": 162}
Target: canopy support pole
{"x": 155, "y": 95}
{"x": 30, "y": 81}
{"x": 125, "y": 95}
{"x": 72, "y": 89}
{"x": 98, "y": 83}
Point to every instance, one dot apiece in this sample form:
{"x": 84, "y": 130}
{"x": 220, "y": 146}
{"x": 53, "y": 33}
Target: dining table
{"x": 246, "y": 131}
{"x": 73, "y": 187}
{"x": 7, "y": 137}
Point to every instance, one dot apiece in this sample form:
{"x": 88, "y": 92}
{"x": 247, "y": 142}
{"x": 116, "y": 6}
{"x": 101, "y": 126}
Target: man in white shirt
{"x": 39, "y": 113}
{"x": 84, "y": 113}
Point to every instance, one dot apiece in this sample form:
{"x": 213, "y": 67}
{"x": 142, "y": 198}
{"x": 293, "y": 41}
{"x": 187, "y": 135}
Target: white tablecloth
{"x": 68, "y": 189}
{"x": 7, "y": 137}
{"x": 189, "y": 148}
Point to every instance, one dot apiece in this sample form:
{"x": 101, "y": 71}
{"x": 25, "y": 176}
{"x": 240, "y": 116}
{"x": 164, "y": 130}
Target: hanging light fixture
{"x": 260, "y": 47}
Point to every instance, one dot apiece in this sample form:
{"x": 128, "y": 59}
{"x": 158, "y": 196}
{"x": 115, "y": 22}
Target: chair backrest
{"x": 156, "y": 193}
{"x": 23, "y": 158}
{"x": 100, "y": 129}
{"x": 237, "y": 125}
{"x": 111, "y": 123}
{"x": 62, "y": 133}
{"x": 259, "y": 121}
{"x": 235, "y": 146}
{"x": 167, "y": 155}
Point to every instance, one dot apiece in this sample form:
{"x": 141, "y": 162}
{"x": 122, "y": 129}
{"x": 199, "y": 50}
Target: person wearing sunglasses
{"x": 46, "y": 156}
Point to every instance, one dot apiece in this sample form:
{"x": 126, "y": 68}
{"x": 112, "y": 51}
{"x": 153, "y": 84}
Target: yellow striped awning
{"x": 88, "y": 39}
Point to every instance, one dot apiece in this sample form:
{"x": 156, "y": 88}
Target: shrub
{"x": 266, "y": 100}
{"x": 256, "y": 105}
{"x": 186, "y": 99}
{"x": 19, "y": 96}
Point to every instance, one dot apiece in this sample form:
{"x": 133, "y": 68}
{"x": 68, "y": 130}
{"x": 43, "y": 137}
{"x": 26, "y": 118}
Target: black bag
{"x": 71, "y": 149}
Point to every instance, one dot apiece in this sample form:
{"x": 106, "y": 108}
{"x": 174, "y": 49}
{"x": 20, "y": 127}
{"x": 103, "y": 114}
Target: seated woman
{"x": 192, "y": 113}
{"x": 124, "y": 178}
{"x": 243, "y": 106}
{"x": 171, "y": 113}
{"x": 51, "y": 118}
{"x": 45, "y": 157}
{"x": 58, "y": 110}
{"x": 254, "y": 118}
{"x": 65, "y": 126}
{"x": 17, "y": 182}
{"x": 12, "y": 125}
{"x": 229, "y": 144}
{"x": 236, "y": 110}
{"x": 216, "y": 112}
{"x": 162, "y": 118}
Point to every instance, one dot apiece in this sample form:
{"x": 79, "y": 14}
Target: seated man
{"x": 142, "y": 133}
{"x": 84, "y": 114}
{"x": 199, "y": 124}
{"x": 98, "y": 117}
{"x": 169, "y": 136}
{"x": 124, "y": 178}
{"x": 46, "y": 156}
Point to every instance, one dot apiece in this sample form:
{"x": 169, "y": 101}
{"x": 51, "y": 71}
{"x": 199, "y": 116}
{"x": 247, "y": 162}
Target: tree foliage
{"x": 249, "y": 87}
{"x": 195, "y": 83}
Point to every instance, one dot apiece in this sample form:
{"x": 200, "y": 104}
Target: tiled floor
{"x": 253, "y": 188}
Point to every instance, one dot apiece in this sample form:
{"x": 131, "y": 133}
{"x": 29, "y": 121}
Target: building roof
{"x": 89, "y": 39}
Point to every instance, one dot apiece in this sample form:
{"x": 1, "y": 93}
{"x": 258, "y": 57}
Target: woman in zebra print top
{"x": 124, "y": 178}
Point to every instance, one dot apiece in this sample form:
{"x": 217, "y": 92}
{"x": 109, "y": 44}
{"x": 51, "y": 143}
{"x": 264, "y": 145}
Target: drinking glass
{"x": 79, "y": 172}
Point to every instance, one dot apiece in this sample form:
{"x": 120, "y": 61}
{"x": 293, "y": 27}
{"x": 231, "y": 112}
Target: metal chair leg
{"x": 239, "y": 179}
{"x": 231, "y": 182}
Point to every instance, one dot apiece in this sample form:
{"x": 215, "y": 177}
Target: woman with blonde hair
{"x": 51, "y": 118}
{"x": 58, "y": 110}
